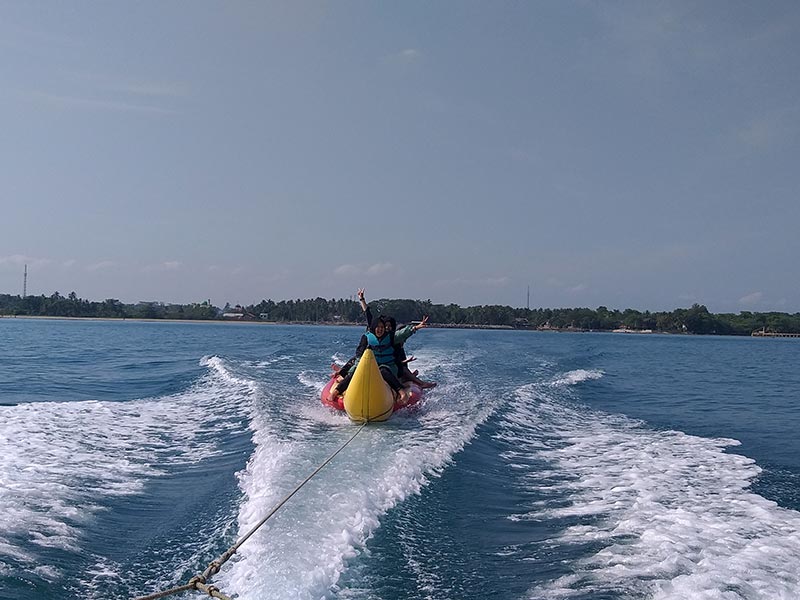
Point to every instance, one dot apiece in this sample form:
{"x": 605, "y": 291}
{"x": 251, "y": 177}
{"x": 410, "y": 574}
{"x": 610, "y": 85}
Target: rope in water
{"x": 198, "y": 582}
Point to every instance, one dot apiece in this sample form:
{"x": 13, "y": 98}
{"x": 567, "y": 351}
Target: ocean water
{"x": 543, "y": 466}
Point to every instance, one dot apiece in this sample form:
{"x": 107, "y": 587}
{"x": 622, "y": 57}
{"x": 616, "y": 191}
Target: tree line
{"x": 696, "y": 320}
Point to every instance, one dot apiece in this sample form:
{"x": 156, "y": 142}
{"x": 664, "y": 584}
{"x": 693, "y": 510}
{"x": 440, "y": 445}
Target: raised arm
{"x": 361, "y": 299}
{"x": 364, "y": 306}
{"x": 406, "y": 332}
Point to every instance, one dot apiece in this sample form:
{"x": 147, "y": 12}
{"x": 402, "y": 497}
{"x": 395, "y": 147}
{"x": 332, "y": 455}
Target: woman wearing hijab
{"x": 381, "y": 342}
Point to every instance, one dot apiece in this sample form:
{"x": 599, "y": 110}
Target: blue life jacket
{"x": 383, "y": 350}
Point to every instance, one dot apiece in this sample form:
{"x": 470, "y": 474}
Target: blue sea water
{"x": 544, "y": 465}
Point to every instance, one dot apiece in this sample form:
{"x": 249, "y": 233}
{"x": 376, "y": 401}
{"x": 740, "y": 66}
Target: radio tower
{"x": 528, "y": 305}
{"x": 25, "y": 283}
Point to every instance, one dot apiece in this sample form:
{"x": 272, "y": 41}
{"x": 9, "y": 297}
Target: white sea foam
{"x": 304, "y": 549}
{"x": 62, "y": 461}
{"x": 672, "y": 513}
{"x": 260, "y": 365}
{"x": 340, "y": 358}
{"x": 309, "y": 379}
{"x": 577, "y": 376}
{"x": 319, "y": 413}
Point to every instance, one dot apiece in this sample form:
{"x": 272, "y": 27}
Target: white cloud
{"x": 374, "y": 270}
{"x": 103, "y": 264}
{"x": 770, "y": 129}
{"x": 379, "y": 269}
{"x": 760, "y": 133}
{"x": 476, "y": 282}
{"x": 19, "y": 260}
{"x": 411, "y": 54}
{"x": 61, "y": 101}
{"x": 14, "y": 259}
{"x": 566, "y": 286}
{"x": 346, "y": 270}
{"x": 751, "y": 299}
{"x": 149, "y": 89}
{"x": 170, "y": 265}
{"x": 407, "y": 56}
{"x": 15, "y": 36}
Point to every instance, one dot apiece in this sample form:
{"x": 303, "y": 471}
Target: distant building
{"x": 238, "y": 313}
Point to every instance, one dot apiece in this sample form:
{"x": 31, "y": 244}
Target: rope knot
{"x": 214, "y": 567}
{"x": 211, "y": 589}
{"x": 195, "y": 580}
{"x": 228, "y": 553}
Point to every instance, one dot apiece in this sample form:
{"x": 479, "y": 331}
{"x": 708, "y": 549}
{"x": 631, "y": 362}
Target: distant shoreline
{"x": 212, "y": 321}
{"x": 259, "y": 322}
{"x": 636, "y": 332}
{"x": 344, "y": 312}
{"x": 324, "y": 324}
{"x": 138, "y": 319}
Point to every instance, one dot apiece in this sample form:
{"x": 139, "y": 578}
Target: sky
{"x": 620, "y": 154}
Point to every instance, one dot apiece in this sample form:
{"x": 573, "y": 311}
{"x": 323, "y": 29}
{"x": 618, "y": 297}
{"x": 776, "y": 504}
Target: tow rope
{"x": 199, "y": 582}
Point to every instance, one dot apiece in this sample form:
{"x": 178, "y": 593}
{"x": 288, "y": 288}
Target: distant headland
{"x": 694, "y": 320}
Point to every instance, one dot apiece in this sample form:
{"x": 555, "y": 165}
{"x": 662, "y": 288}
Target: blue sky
{"x": 626, "y": 154}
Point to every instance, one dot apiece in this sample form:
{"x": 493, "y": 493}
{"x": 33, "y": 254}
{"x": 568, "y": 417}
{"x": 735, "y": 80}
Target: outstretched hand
{"x": 361, "y": 293}
{"x": 422, "y": 324}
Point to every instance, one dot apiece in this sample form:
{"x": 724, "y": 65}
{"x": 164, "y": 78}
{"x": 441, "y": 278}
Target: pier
{"x": 763, "y": 333}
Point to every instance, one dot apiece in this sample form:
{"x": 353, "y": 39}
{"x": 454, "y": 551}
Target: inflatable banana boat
{"x": 368, "y": 397}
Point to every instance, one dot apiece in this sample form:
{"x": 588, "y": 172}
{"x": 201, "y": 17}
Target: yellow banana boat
{"x": 368, "y": 397}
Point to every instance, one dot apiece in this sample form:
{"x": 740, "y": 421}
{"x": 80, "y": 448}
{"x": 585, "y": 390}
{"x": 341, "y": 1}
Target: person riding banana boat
{"x": 382, "y": 344}
{"x": 405, "y": 374}
{"x": 399, "y": 367}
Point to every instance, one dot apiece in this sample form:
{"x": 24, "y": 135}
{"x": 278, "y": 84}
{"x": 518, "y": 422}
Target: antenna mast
{"x": 528, "y": 305}
{"x": 25, "y": 283}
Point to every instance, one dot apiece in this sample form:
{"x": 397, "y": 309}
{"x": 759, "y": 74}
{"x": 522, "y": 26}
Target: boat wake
{"x": 656, "y": 514}
{"x": 305, "y": 548}
{"x": 58, "y": 482}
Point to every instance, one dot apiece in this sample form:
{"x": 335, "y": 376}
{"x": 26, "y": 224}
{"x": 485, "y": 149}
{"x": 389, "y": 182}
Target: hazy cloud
{"x": 73, "y": 102}
{"x": 170, "y": 265}
{"x": 477, "y": 282}
{"x": 370, "y": 271}
{"x": 104, "y": 264}
{"x": 346, "y": 270}
{"x": 770, "y": 129}
{"x": 19, "y": 260}
{"x": 407, "y": 56}
{"x": 379, "y": 268}
{"x": 153, "y": 89}
{"x": 751, "y": 299}
{"x": 758, "y": 134}
{"x": 23, "y": 38}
